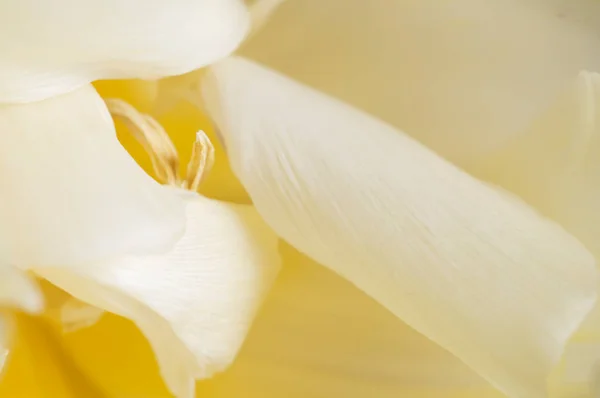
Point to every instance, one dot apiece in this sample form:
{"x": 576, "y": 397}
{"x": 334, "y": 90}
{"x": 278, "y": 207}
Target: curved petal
{"x": 555, "y": 163}
{"x": 49, "y": 48}
{"x": 319, "y": 336}
{"x": 71, "y": 193}
{"x": 466, "y": 264}
{"x": 195, "y": 303}
{"x": 462, "y": 76}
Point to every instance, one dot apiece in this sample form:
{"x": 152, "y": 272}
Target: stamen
{"x": 152, "y": 136}
{"x": 201, "y": 162}
{"x": 163, "y": 154}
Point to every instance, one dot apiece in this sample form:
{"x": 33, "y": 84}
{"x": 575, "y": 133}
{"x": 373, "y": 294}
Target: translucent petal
{"x": 75, "y": 314}
{"x": 71, "y": 192}
{"x": 319, "y": 336}
{"x": 195, "y": 303}
{"x": 554, "y": 164}
{"x": 466, "y": 264}
{"x": 50, "y": 48}
{"x": 462, "y": 76}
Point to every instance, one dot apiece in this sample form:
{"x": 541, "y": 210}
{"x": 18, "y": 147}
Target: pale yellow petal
{"x": 466, "y": 264}
{"x": 461, "y": 76}
{"x": 75, "y": 315}
{"x": 71, "y": 192}
{"x": 319, "y": 336}
{"x": 51, "y": 47}
{"x": 554, "y": 164}
{"x": 195, "y": 303}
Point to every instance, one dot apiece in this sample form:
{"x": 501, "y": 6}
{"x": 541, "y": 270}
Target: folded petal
{"x": 319, "y": 336}
{"x": 464, "y": 263}
{"x": 71, "y": 193}
{"x": 50, "y": 48}
{"x": 195, "y": 303}
{"x": 462, "y": 76}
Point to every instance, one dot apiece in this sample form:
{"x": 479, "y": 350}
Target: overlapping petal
{"x": 466, "y": 264}
{"x": 462, "y": 76}
{"x": 70, "y": 192}
{"x": 194, "y": 303}
{"x": 319, "y": 336}
{"x": 49, "y": 48}
{"x": 554, "y": 164}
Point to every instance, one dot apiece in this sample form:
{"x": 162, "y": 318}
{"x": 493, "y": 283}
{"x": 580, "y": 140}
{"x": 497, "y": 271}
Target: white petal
{"x": 71, "y": 193}
{"x": 319, "y": 336}
{"x": 461, "y": 76}
{"x": 466, "y": 264}
{"x": 195, "y": 304}
{"x": 53, "y": 47}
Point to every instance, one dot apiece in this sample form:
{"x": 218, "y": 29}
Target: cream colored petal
{"x": 53, "y": 47}
{"x": 461, "y": 76}
{"x": 555, "y": 163}
{"x": 70, "y": 192}
{"x": 319, "y": 336}
{"x": 75, "y": 315}
{"x": 466, "y": 264}
{"x": 195, "y": 303}
{"x": 18, "y": 291}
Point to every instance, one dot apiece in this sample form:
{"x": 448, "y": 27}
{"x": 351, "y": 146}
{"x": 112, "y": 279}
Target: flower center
{"x": 163, "y": 154}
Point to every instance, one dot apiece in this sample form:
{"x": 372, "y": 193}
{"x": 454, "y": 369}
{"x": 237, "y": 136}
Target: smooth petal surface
{"x": 195, "y": 303}
{"x": 71, "y": 193}
{"x": 319, "y": 336}
{"x": 466, "y": 264}
{"x": 49, "y": 48}
{"x": 462, "y": 76}
{"x": 555, "y": 163}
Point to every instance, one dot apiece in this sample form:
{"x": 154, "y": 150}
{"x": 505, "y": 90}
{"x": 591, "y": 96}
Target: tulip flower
{"x": 439, "y": 159}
